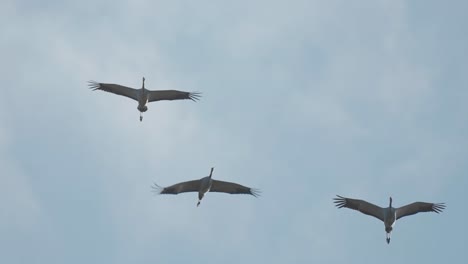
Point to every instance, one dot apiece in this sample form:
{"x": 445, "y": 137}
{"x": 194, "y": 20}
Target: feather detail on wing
{"x": 115, "y": 89}
{"x": 360, "y": 205}
{"x": 188, "y": 186}
{"x": 419, "y": 207}
{"x": 172, "y": 95}
{"x": 232, "y": 188}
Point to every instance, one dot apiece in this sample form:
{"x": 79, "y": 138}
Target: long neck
{"x": 143, "y": 87}
{"x": 390, "y": 202}
{"x": 211, "y": 172}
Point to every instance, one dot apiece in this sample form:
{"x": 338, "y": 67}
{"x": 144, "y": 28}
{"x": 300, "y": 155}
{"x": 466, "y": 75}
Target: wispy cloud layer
{"x": 302, "y": 99}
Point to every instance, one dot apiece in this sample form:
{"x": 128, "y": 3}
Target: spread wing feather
{"x": 360, "y": 205}
{"x": 232, "y": 188}
{"x": 188, "y": 186}
{"x": 115, "y": 89}
{"x": 172, "y": 95}
{"x": 419, "y": 207}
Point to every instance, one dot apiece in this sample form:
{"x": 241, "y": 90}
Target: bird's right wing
{"x": 159, "y": 95}
{"x": 188, "y": 186}
{"x": 360, "y": 205}
{"x": 115, "y": 89}
{"x": 232, "y": 188}
{"x": 419, "y": 207}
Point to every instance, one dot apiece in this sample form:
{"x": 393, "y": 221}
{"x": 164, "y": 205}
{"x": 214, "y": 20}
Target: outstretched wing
{"x": 188, "y": 186}
{"x": 360, "y": 205}
{"x": 115, "y": 89}
{"x": 172, "y": 95}
{"x": 232, "y": 188}
{"x": 419, "y": 207}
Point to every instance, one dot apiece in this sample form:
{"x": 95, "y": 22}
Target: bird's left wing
{"x": 172, "y": 95}
{"x": 188, "y": 186}
{"x": 360, "y": 205}
{"x": 115, "y": 89}
{"x": 419, "y": 207}
{"x": 232, "y": 188}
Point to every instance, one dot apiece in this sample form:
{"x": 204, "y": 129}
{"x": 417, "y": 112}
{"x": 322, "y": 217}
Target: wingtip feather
{"x": 340, "y": 202}
{"x": 93, "y": 85}
{"x": 439, "y": 207}
{"x": 255, "y": 192}
{"x": 195, "y": 96}
{"x": 156, "y": 189}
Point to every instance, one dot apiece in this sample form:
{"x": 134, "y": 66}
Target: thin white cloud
{"x": 301, "y": 99}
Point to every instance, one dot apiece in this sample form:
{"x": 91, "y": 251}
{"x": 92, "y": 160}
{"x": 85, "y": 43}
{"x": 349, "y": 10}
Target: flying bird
{"x": 204, "y": 185}
{"x": 143, "y": 96}
{"x": 390, "y": 214}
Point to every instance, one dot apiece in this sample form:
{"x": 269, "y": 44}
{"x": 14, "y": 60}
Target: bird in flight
{"x": 390, "y": 214}
{"x": 204, "y": 185}
{"x": 143, "y": 96}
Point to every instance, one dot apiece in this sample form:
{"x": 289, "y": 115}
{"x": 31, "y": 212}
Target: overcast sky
{"x": 301, "y": 99}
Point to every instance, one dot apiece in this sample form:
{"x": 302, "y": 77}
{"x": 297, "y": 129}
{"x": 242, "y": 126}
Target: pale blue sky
{"x": 301, "y": 99}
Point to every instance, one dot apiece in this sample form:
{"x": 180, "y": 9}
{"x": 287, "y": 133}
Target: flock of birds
{"x": 206, "y": 184}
